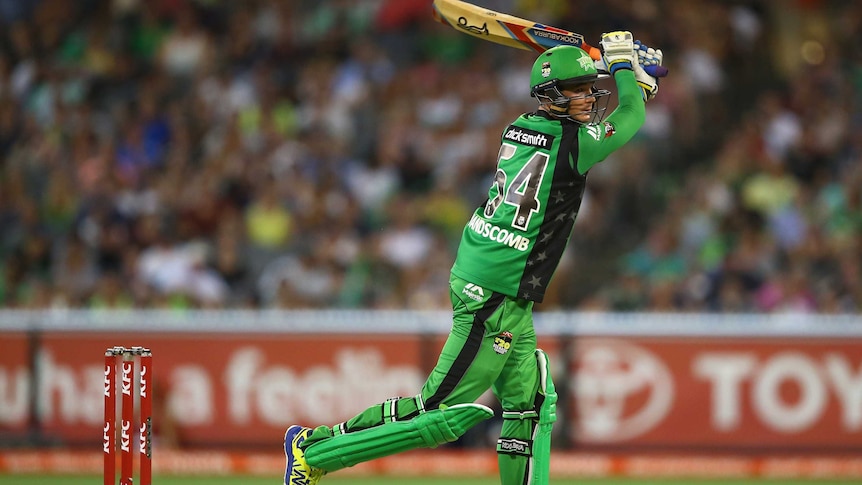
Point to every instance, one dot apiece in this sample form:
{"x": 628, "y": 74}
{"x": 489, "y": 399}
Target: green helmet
{"x": 561, "y": 66}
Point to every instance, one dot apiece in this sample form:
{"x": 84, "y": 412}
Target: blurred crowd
{"x": 327, "y": 153}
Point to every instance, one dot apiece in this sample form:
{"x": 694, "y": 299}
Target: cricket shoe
{"x": 298, "y": 471}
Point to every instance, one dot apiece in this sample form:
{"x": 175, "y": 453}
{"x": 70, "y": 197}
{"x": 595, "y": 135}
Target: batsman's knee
{"x": 517, "y": 432}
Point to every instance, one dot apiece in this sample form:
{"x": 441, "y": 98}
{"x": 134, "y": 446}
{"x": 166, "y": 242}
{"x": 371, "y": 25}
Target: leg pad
{"x": 547, "y": 410}
{"x": 427, "y": 430}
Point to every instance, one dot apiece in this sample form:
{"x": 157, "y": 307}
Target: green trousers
{"x": 491, "y": 346}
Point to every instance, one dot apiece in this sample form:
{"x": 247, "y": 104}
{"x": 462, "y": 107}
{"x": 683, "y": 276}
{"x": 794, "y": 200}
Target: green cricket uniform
{"x": 514, "y": 241}
{"x": 508, "y": 253}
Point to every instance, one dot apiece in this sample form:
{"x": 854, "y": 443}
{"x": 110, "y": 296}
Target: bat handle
{"x": 654, "y": 71}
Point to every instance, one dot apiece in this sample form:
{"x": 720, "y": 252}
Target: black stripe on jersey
{"x": 567, "y": 190}
{"x": 468, "y": 352}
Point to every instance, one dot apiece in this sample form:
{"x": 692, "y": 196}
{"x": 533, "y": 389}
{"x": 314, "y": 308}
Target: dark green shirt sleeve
{"x": 596, "y": 142}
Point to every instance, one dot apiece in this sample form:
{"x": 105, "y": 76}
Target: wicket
{"x": 127, "y": 357}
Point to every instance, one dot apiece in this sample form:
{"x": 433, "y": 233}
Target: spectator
{"x": 254, "y": 132}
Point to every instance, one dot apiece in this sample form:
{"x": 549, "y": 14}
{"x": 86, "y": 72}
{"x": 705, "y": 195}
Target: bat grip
{"x": 654, "y": 71}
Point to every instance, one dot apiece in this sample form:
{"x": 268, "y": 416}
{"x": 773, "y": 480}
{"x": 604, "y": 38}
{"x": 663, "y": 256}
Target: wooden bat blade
{"x": 506, "y": 29}
{"x": 513, "y": 31}
{"x": 453, "y": 15}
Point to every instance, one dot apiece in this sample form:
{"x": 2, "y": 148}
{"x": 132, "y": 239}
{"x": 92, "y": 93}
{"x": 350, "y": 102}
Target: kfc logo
{"x": 621, "y": 390}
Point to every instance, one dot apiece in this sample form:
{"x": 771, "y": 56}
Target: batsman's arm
{"x": 596, "y": 142}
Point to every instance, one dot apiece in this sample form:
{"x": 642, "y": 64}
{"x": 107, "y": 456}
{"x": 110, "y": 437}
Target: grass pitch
{"x": 335, "y": 480}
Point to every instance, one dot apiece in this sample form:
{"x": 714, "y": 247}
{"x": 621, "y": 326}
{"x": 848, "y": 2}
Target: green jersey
{"x": 514, "y": 241}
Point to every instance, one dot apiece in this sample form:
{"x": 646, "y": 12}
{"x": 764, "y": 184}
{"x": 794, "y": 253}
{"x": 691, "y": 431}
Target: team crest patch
{"x": 503, "y": 342}
{"x": 586, "y": 62}
{"x": 609, "y": 129}
{"x": 546, "y": 69}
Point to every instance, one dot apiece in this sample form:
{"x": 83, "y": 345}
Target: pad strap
{"x": 514, "y": 446}
{"x": 389, "y": 408}
{"x": 520, "y": 414}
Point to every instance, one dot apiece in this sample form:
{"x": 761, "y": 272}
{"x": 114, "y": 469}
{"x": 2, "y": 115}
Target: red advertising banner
{"x": 750, "y": 393}
{"x": 213, "y": 390}
{"x": 15, "y": 383}
{"x": 621, "y": 392}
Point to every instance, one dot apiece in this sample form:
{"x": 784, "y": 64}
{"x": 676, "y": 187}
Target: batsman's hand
{"x": 618, "y": 50}
{"x": 647, "y": 56}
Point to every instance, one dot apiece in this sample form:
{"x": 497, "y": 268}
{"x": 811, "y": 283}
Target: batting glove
{"x": 647, "y": 56}
{"x": 618, "y": 50}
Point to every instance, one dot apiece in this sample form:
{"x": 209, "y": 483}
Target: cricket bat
{"x": 514, "y": 31}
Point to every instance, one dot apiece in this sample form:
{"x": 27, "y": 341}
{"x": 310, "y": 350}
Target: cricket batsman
{"x": 508, "y": 253}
